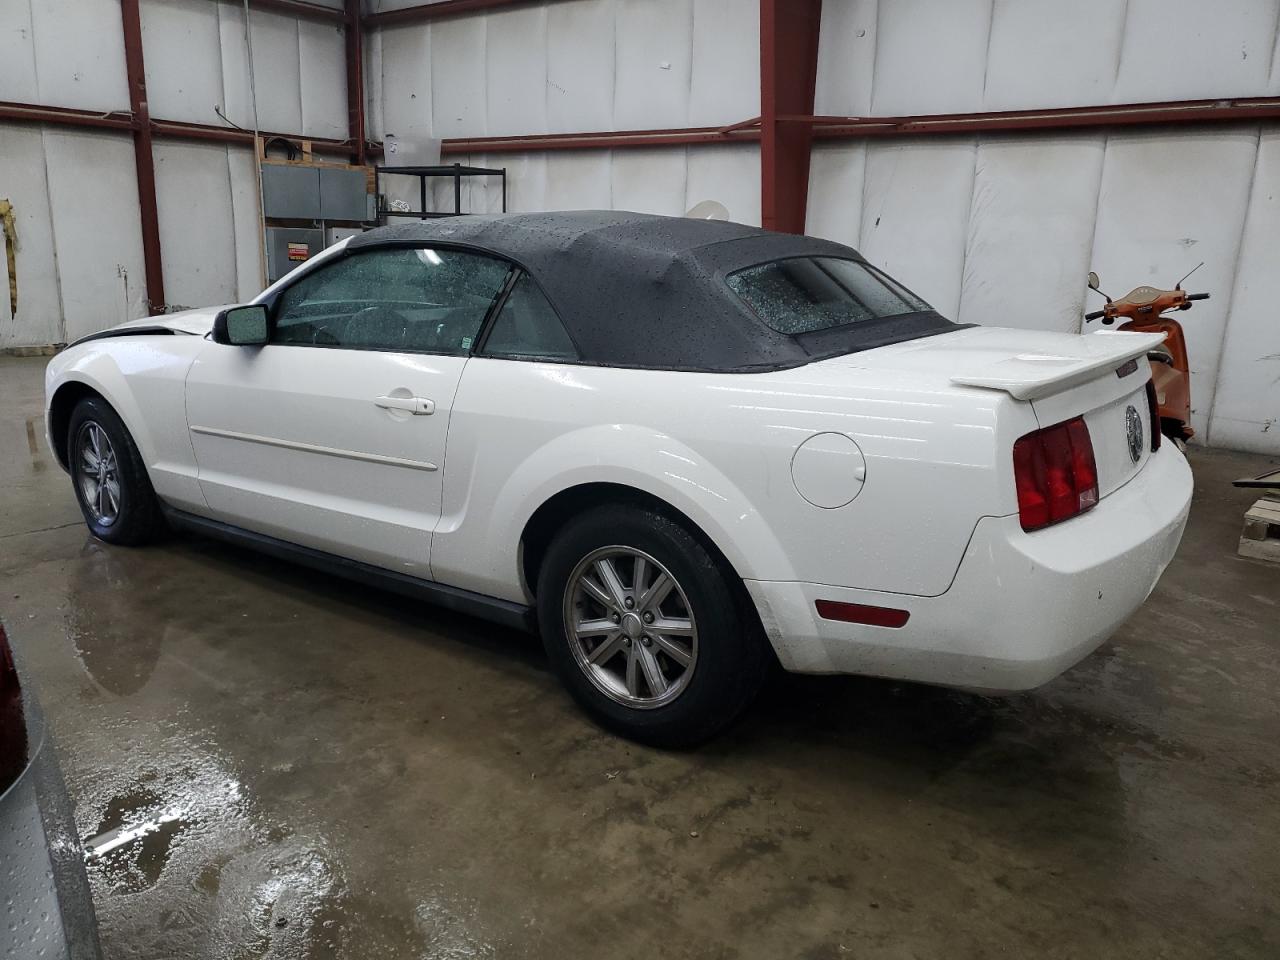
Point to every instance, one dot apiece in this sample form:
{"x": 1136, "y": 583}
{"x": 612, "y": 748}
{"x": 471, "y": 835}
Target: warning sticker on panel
{"x": 299, "y": 251}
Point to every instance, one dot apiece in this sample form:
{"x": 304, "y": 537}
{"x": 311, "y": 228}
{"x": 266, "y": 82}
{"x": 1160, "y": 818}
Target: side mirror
{"x": 1093, "y": 281}
{"x": 241, "y": 326}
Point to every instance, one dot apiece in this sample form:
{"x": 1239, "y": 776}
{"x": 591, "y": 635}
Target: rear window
{"x": 802, "y": 295}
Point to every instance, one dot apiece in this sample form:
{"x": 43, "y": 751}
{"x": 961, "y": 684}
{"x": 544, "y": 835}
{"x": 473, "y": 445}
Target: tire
{"x": 722, "y": 643}
{"x": 128, "y": 513}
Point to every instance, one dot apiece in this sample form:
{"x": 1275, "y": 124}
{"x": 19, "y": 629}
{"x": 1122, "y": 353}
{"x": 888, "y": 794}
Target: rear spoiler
{"x": 1031, "y": 376}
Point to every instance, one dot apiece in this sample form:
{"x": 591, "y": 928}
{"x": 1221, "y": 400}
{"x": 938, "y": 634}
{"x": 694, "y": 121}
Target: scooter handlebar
{"x": 1095, "y": 315}
{"x": 1197, "y": 296}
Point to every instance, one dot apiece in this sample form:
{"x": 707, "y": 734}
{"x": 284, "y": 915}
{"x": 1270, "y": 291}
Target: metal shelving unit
{"x": 455, "y": 171}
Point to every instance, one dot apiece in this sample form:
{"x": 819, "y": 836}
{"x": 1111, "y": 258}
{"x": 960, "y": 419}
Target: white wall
{"x": 1002, "y": 228}
{"x": 992, "y": 229}
{"x": 74, "y": 192}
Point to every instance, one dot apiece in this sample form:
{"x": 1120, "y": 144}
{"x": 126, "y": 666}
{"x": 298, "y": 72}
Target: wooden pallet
{"x": 1260, "y": 539}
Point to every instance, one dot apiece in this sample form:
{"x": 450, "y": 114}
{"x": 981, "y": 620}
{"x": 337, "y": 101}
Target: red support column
{"x": 788, "y": 75}
{"x": 143, "y": 159}
{"x": 355, "y": 81}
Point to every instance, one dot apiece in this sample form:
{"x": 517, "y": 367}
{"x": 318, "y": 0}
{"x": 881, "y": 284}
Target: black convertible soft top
{"x": 638, "y": 290}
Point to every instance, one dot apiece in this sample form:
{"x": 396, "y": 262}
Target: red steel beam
{"x": 63, "y": 116}
{"x": 166, "y": 129}
{"x": 143, "y": 157}
{"x": 438, "y": 11}
{"x": 354, "y": 45}
{"x": 1171, "y": 114}
{"x": 298, "y": 8}
{"x": 603, "y": 140}
{"x": 788, "y": 77}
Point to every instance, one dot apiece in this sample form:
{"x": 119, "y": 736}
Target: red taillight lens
{"x": 13, "y": 726}
{"x": 1153, "y": 404}
{"x": 1055, "y": 474}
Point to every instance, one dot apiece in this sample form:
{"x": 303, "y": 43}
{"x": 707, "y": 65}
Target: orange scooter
{"x": 1142, "y": 309}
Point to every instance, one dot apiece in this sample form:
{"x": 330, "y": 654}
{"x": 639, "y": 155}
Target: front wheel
{"x": 110, "y": 479}
{"x": 646, "y": 628}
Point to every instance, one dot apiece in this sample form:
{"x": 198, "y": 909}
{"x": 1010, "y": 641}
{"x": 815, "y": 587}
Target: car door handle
{"x": 418, "y": 406}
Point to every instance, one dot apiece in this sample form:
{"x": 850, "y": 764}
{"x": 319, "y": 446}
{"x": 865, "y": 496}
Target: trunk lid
{"x": 1099, "y": 376}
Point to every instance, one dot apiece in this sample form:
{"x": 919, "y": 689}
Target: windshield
{"x": 806, "y": 294}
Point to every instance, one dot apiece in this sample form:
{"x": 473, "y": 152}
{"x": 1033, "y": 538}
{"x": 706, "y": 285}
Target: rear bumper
{"x": 1022, "y": 607}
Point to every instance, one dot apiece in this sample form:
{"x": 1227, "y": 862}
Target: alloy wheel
{"x": 97, "y": 473}
{"x": 630, "y": 627}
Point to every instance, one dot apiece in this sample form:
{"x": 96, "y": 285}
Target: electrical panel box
{"x": 334, "y": 235}
{"x": 290, "y": 193}
{"x": 343, "y": 194}
{"x": 289, "y": 248}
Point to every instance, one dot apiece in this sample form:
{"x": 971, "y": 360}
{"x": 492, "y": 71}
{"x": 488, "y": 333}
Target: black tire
{"x": 137, "y": 518}
{"x": 732, "y": 654}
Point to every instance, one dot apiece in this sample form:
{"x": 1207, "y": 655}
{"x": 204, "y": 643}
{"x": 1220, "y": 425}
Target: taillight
{"x": 1055, "y": 474}
{"x": 13, "y": 726}
{"x": 1154, "y": 406}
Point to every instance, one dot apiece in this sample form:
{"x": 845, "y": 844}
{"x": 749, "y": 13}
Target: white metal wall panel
{"x": 942, "y": 56}
{"x": 79, "y": 53}
{"x": 1031, "y": 231}
{"x": 516, "y": 71}
{"x": 322, "y": 80}
{"x": 915, "y": 214}
{"x": 246, "y": 227}
{"x": 730, "y": 175}
{"x": 580, "y": 180}
{"x": 17, "y": 52}
{"x": 277, "y": 71}
{"x": 930, "y": 56}
{"x": 406, "y": 83}
{"x": 1246, "y": 405}
{"x": 846, "y": 58}
{"x": 654, "y": 58}
{"x": 526, "y": 183}
{"x": 180, "y": 45}
{"x": 1273, "y": 82}
{"x": 93, "y": 194}
{"x": 580, "y": 60}
{"x": 1167, "y": 203}
{"x": 836, "y": 172}
{"x": 1046, "y": 53}
{"x": 1189, "y": 49}
{"x": 38, "y": 319}
{"x": 650, "y": 181}
{"x": 197, "y": 231}
{"x": 725, "y": 66}
{"x": 457, "y": 77}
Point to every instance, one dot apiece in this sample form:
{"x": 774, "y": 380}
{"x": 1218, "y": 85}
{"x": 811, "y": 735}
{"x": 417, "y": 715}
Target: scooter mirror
{"x": 1093, "y": 281}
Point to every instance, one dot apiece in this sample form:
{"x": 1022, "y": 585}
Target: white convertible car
{"x": 679, "y": 449}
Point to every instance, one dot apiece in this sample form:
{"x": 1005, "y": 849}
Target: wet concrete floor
{"x": 323, "y": 771}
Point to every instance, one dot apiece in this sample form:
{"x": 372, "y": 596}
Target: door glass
{"x": 403, "y": 300}
{"x": 528, "y": 326}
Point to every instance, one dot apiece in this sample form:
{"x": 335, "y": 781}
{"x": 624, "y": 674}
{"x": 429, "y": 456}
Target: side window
{"x": 402, "y": 300}
{"x": 527, "y": 326}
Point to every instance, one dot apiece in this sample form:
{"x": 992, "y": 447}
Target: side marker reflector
{"x": 861, "y": 613}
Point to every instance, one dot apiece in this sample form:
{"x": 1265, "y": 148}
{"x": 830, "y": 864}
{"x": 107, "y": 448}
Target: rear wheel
{"x": 110, "y": 479}
{"x": 646, "y": 628}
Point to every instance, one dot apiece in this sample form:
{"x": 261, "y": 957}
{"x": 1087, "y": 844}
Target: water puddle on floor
{"x": 134, "y": 840}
